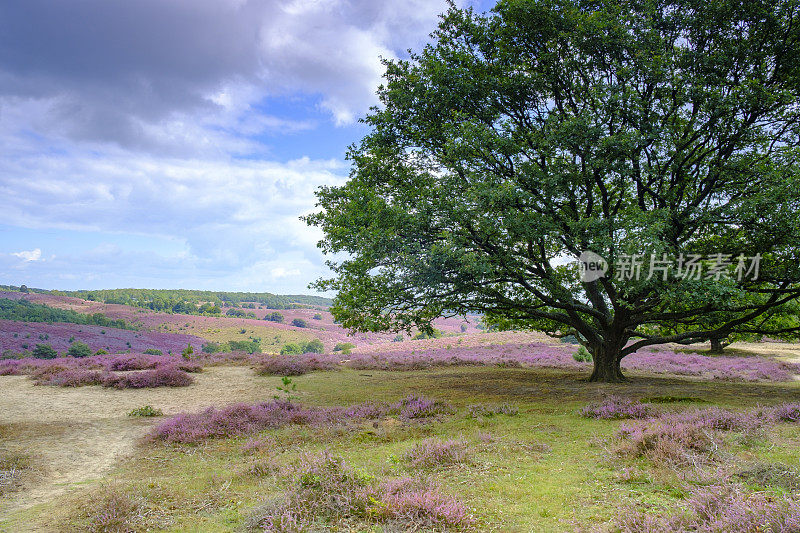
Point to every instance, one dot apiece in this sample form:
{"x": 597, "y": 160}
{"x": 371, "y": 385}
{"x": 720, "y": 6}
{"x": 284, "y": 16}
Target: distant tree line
{"x": 185, "y": 301}
{"x": 25, "y": 311}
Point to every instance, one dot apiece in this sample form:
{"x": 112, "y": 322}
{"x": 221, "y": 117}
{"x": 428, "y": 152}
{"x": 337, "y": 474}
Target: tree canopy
{"x": 657, "y": 131}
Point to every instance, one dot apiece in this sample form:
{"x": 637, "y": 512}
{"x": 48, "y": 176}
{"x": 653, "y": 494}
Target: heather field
{"x": 438, "y": 266}
{"x": 18, "y": 337}
{"x": 470, "y": 431}
{"x": 211, "y": 328}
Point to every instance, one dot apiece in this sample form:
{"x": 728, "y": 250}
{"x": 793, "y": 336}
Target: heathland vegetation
{"x": 464, "y": 430}
{"x": 467, "y": 376}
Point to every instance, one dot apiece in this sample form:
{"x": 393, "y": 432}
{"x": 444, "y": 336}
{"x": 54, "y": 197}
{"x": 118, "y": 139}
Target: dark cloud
{"x": 141, "y": 117}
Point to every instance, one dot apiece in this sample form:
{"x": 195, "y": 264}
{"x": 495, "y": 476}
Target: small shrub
{"x": 146, "y": 411}
{"x": 274, "y": 317}
{"x": 79, "y": 349}
{"x": 255, "y": 445}
{"x": 317, "y": 316}
{"x": 299, "y": 323}
{"x": 419, "y": 504}
{"x": 102, "y": 352}
{"x": 345, "y": 347}
{"x": 44, "y": 351}
{"x": 582, "y": 355}
{"x": 251, "y": 346}
{"x": 261, "y": 468}
{"x": 291, "y": 349}
{"x": 213, "y": 347}
{"x": 314, "y": 346}
{"x": 187, "y": 352}
{"x": 431, "y": 453}
{"x": 399, "y": 338}
{"x": 153, "y": 351}
{"x": 113, "y": 511}
{"x": 435, "y": 334}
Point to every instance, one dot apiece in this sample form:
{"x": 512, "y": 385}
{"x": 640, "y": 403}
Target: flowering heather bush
{"x": 10, "y": 368}
{"x": 237, "y": 419}
{"x": 294, "y": 365}
{"x": 689, "y": 437}
{"x": 73, "y": 377}
{"x": 788, "y": 412}
{"x": 615, "y": 407}
{"x": 415, "y": 502}
{"x": 720, "y": 509}
{"x": 325, "y": 492}
{"x": 243, "y": 419}
{"x": 432, "y": 453}
{"x": 100, "y": 369}
{"x": 414, "y": 406}
{"x": 692, "y": 435}
{"x": 189, "y": 366}
{"x": 478, "y": 410}
{"x": 132, "y": 362}
{"x": 166, "y": 376}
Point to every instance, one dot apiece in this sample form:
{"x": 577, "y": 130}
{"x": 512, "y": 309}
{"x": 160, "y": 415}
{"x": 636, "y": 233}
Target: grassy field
{"x": 545, "y": 468}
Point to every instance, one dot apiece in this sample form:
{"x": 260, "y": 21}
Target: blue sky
{"x": 175, "y": 143}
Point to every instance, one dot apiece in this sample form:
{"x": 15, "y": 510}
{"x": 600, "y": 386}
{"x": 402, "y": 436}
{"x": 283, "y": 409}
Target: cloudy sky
{"x": 174, "y": 143}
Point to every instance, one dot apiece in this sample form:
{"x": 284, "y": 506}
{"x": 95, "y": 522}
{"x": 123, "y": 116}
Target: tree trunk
{"x": 716, "y": 345}
{"x": 607, "y": 365}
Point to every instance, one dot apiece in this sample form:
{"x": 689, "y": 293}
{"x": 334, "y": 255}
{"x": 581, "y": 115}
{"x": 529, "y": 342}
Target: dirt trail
{"x": 74, "y": 435}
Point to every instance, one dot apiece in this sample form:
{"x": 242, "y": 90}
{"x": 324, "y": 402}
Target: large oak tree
{"x": 522, "y": 137}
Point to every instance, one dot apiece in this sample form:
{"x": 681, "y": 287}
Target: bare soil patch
{"x": 75, "y": 435}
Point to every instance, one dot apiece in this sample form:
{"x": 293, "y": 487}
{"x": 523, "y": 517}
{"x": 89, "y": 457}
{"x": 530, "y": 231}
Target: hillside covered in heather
{"x": 39, "y": 317}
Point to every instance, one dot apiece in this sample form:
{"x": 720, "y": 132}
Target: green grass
{"x": 546, "y": 469}
{"x": 272, "y": 339}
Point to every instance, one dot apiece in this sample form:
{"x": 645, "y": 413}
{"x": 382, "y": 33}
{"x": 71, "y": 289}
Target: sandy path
{"x": 76, "y": 435}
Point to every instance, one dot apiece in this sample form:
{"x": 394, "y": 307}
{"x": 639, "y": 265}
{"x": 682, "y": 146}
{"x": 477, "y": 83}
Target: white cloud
{"x": 281, "y": 272}
{"x": 238, "y": 220}
{"x": 28, "y": 256}
{"x": 148, "y": 118}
